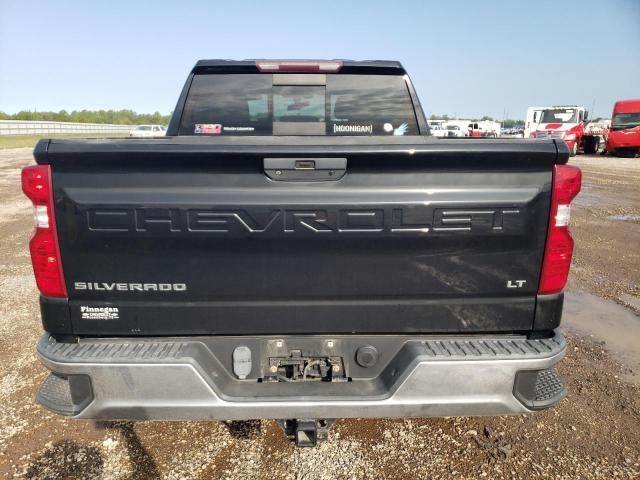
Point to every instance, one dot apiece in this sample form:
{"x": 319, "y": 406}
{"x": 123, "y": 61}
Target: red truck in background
{"x": 624, "y": 135}
{"x": 568, "y": 123}
{"x": 563, "y": 123}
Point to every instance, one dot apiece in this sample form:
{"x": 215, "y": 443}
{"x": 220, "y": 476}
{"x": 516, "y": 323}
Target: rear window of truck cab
{"x": 298, "y": 104}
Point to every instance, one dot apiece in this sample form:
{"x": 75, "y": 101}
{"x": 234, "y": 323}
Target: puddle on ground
{"x": 587, "y": 197}
{"x": 598, "y": 196}
{"x": 607, "y": 321}
{"x": 630, "y": 300}
{"x": 624, "y": 218}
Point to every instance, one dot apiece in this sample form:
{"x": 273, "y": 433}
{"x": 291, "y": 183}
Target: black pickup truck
{"x": 300, "y": 248}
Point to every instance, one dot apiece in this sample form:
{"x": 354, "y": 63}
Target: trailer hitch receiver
{"x": 305, "y": 432}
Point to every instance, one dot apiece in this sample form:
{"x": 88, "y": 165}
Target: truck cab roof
{"x": 377, "y": 67}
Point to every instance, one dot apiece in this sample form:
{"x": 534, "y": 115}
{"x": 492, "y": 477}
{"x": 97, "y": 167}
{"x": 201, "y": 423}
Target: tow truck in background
{"x": 568, "y": 123}
{"x": 562, "y": 123}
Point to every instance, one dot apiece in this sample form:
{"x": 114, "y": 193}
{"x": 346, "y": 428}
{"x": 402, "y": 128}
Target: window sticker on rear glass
{"x": 401, "y": 130}
{"x": 249, "y": 104}
{"x": 238, "y": 129}
{"x": 208, "y": 128}
{"x": 351, "y": 129}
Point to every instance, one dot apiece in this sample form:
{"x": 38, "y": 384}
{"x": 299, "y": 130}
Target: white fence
{"x": 27, "y": 127}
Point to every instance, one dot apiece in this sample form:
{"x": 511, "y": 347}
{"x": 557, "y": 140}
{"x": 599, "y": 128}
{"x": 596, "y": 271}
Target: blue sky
{"x": 468, "y": 58}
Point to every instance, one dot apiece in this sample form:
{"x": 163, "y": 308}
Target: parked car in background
{"x": 438, "y": 130}
{"x": 455, "y": 131}
{"x": 624, "y": 135}
{"x": 514, "y": 132}
{"x": 148, "y": 131}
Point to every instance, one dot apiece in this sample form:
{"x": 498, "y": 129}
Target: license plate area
{"x": 297, "y": 367}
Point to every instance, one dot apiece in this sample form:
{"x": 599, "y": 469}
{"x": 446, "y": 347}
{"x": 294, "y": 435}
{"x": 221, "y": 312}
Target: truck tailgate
{"x": 189, "y": 236}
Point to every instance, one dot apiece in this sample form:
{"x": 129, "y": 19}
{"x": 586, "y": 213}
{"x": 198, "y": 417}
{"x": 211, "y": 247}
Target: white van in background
{"x": 437, "y": 128}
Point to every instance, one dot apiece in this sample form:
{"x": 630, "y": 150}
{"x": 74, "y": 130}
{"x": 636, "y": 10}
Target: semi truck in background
{"x": 564, "y": 122}
{"x": 623, "y": 138}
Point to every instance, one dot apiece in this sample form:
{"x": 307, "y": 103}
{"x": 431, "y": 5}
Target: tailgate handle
{"x": 291, "y": 169}
{"x": 305, "y": 164}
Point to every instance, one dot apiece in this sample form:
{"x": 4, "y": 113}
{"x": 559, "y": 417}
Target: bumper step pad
{"x": 65, "y": 395}
{"x": 548, "y": 386}
{"x": 539, "y": 389}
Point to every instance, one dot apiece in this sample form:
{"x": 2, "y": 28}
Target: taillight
{"x": 45, "y": 254}
{"x": 567, "y": 181}
{"x": 290, "y": 66}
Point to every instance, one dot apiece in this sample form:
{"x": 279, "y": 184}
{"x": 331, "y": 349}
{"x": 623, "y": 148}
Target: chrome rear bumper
{"x": 175, "y": 379}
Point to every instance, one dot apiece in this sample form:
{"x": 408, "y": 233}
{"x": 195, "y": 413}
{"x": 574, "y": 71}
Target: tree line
{"x": 118, "y": 117}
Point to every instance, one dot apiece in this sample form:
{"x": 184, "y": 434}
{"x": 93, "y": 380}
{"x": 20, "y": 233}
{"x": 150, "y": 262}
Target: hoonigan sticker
{"x": 366, "y": 129}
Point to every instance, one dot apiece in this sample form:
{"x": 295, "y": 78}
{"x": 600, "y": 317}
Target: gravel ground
{"x": 594, "y": 433}
{"x": 606, "y": 225}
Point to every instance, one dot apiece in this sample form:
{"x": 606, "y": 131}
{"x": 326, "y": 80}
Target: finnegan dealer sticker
{"x": 99, "y": 313}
